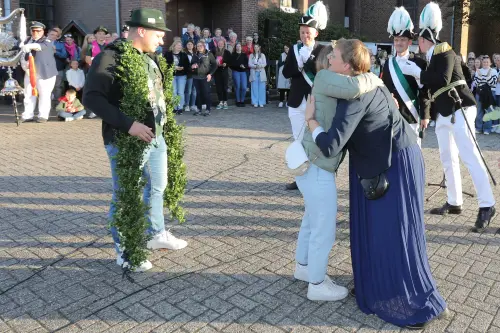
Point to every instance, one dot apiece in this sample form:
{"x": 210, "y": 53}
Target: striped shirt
{"x": 486, "y": 76}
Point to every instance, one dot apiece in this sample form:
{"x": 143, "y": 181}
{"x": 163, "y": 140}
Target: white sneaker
{"x": 146, "y": 265}
{"x": 280, "y": 105}
{"x": 432, "y": 123}
{"x": 261, "y": 106}
{"x": 255, "y": 106}
{"x": 204, "y": 107}
{"x": 194, "y": 108}
{"x": 92, "y": 115}
{"x": 165, "y": 240}
{"x": 301, "y": 273}
{"x": 79, "y": 118}
{"x": 68, "y": 119}
{"x": 220, "y": 106}
{"x": 187, "y": 109}
{"x": 326, "y": 291}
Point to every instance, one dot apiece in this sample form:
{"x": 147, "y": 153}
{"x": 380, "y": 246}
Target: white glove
{"x": 31, "y": 46}
{"x": 411, "y": 68}
{"x": 305, "y": 53}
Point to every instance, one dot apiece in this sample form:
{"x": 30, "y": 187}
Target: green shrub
{"x": 288, "y": 30}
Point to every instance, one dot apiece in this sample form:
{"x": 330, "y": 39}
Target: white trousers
{"x": 416, "y": 128}
{"x": 45, "y": 88}
{"x": 456, "y": 140}
{"x": 298, "y": 118}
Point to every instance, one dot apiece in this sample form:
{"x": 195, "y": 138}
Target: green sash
{"x": 405, "y": 84}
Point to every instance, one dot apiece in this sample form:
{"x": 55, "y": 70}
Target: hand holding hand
{"x": 424, "y": 123}
{"x": 395, "y": 101}
{"x": 141, "y": 131}
{"x": 411, "y": 68}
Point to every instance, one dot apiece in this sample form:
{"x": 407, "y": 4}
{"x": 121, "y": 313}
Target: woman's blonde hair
{"x": 323, "y": 57}
{"x": 175, "y": 43}
{"x": 354, "y": 53}
{"x": 85, "y": 44}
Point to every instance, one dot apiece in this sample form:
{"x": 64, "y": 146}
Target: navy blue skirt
{"x": 391, "y": 270}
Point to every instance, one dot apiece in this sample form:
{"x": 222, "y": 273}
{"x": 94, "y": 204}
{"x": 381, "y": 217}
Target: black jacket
{"x": 206, "y": 65}
{"x": 443, "y": 69}
{"x": 299, "y": 88}
{"x": 102, "y": 94}
{"x": 226, "y": 58}
{"x": 423, "y": 94}
{"x": 183, "y": 62}
{"x": 238, "y": 59}
{"x": 364, "y": 127}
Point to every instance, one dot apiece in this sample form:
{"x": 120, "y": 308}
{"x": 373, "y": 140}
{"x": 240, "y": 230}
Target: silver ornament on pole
{"x": 11, "y": 58}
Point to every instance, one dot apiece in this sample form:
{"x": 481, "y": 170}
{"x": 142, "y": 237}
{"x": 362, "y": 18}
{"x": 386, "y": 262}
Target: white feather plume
{"x": 319, "y": 12}
{"x": 400, "y": 21}
{"x": 431, "y": 18}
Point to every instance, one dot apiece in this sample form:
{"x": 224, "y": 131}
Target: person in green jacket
{"x": 69, "y": 107}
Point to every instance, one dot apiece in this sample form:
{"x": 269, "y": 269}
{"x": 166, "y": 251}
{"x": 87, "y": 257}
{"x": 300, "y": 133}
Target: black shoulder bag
{"x": 376, "y": 187}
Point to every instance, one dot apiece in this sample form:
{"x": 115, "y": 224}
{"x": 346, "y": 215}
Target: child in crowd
{"x": 69, "y": 107}
{"x": 76, "y": 78}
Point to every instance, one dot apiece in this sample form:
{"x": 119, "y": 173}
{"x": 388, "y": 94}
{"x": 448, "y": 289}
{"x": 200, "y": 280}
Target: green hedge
{"x": 289, "y": 32}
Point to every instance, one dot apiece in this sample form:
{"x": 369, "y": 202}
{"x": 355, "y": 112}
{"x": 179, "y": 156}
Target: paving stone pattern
{"x": 57, "y": 262}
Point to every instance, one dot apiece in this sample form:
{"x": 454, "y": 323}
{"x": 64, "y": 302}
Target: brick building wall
{"x": 91, "y": 13}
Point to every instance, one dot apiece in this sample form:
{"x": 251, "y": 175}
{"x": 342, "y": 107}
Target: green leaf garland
{"x": 130, "y": 216}
{"x": 173, "y": 134}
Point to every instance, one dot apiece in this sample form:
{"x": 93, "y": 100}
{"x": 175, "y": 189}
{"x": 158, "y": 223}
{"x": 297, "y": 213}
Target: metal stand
{"x": 441, "y": 185}
{"x": 12, "y": 89}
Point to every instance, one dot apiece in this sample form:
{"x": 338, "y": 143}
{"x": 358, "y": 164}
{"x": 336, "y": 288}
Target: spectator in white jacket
{"x": 76, "y": 78}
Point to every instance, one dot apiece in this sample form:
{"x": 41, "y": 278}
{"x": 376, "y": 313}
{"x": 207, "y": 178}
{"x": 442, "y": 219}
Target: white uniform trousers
{"x": 416, "y": 127}
{"x": 45, "y": 88}
{"x": 456, "y": 140}
{"x": 298, "y": 119}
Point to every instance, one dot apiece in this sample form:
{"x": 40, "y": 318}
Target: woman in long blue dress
{"x": 392, "y": 277}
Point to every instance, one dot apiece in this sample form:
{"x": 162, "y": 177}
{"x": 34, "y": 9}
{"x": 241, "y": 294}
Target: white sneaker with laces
{"x": 165, "y": 240}
{"x": 146, "y": 265}
{"x": 68, "y": 119}
{"x": 280, "y": 105}
{"x": 326, "y": 291}
{"x": 187, "y": 109}
{"x": 301, "y": 273}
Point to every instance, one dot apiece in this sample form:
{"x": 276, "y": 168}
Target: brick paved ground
{"x": 58, "y": 270}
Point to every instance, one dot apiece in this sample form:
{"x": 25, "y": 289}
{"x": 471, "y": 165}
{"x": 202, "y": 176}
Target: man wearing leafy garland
{"x": 128, "y": 86}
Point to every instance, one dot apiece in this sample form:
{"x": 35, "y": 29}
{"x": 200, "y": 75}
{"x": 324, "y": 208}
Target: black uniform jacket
{"x": 299, "y": 86}
{"x": 443, "y": 69}
{"x": 423, "y": 94}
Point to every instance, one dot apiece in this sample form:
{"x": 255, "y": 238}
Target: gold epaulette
{"x": 441, "y": 48}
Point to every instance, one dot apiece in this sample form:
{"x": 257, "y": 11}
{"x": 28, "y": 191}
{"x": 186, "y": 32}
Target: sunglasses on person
{"x": 68, "y": 35}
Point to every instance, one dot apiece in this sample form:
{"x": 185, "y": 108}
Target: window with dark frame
{"x": 412, "y": 7}
{"x": 39, "y": 10}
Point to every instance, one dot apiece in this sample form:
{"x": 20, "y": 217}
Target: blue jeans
{"x": 317, "y": 231}
{"x": 240, "y": 85}
{"x": 258, "y": 90}
{"x": 154, "y": 166}
{"x": 179, "y": 89}
{"x": 75, "y": 115}
{"x": 190, "y": 93}
{"x": 482, "y": 126}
